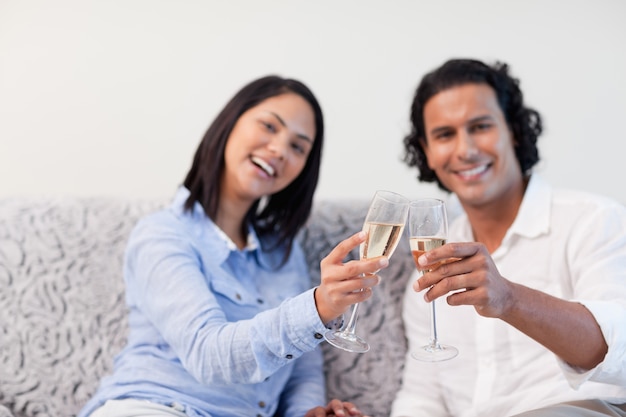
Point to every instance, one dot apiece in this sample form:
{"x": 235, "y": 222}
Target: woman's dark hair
{"x": 524, "y": 122}
{"x": 283, "y": 213}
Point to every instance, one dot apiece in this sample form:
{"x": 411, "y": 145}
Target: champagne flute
{"x": 428, "y": 229}
{"x": 383, "y": 224}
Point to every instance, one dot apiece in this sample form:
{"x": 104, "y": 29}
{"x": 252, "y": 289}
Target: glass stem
{"x": 351, "y": 326}
{"x": 434, "y": 343}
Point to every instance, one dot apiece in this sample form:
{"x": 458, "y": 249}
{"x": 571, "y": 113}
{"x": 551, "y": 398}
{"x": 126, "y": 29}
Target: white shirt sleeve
{"x": 597, "y": 259}
{"x": 611, "y": 317}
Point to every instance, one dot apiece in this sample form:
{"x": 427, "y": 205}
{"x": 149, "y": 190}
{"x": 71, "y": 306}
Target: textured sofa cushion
{"x": 5, "y": 412}
{"x": 62, "y": 313}
{"x": 61, "y": 299}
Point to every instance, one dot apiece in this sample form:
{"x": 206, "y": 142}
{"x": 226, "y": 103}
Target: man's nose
{"x": 466, "y": 145}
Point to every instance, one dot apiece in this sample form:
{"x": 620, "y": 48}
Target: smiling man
{"x": 535, "y": 299}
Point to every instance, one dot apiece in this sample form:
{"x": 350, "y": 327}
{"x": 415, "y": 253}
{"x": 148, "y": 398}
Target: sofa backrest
{"x": 63, "y": 318}
{"x": 62, "y": 313}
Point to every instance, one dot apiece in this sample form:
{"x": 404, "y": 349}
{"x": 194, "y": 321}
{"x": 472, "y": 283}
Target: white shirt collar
{"x": 252, "y": 242}
{"x": 533, "y": 216}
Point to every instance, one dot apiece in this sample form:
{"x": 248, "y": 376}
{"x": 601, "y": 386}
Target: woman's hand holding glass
{"x": 383, "y": 226}
{"x": 344, "y": 284}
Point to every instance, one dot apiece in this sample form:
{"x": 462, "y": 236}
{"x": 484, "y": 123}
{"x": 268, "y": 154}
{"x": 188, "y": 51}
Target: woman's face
{"x": 268, "y": 147}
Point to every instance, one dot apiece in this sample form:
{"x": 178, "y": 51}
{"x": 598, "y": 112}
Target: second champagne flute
{"x": 428, "y": 229}
{"x": 383, "y": 224}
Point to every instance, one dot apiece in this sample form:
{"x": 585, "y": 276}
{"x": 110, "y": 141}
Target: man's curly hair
{"x": 524, "y": 122}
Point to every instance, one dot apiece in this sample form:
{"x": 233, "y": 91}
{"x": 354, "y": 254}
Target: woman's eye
{"x": 298, "y": 148}
{"x": 269, "y": 126}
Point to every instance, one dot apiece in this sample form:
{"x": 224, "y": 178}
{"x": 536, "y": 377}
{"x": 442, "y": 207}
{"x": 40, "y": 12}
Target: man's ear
{"x": 424, "y": 145}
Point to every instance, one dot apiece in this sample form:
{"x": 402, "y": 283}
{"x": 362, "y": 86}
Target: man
{"x": 536, "y": 299}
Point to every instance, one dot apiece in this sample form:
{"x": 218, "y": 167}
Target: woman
{"x": 222, "y": 320}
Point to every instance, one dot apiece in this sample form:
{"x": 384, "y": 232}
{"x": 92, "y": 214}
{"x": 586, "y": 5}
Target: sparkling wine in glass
{"x": 428, "y": 229}
{"x": 384, "y": 224}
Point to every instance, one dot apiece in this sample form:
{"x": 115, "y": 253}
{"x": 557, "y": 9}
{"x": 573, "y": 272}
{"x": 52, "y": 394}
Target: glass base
{"x": 346, "y": 341}
{"x": 435, "y": 353}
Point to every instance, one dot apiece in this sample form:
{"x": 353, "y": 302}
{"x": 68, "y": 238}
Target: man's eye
{"x": 481, "y": 127}
{"x": 443, "y": 135}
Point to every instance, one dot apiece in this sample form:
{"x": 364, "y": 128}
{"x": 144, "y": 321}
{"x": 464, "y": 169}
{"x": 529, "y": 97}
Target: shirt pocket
{"x": 230, "y": 292}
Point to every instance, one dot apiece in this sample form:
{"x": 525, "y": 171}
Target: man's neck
{"x": 491, "y": 221}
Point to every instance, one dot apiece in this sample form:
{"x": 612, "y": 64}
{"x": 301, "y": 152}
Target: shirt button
{"x": 260, "y": 301}
{"x": 238, "y": 296}
{"x": 262, "y": 404}
{"x": 177, "y": 406}
{"x": 289, "y": 356}
{"x": 318, "y": 336}
{"x": 259, "y": 415}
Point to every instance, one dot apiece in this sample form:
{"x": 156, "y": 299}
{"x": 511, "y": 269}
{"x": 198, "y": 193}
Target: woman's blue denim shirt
{"x": 214, "y": 330}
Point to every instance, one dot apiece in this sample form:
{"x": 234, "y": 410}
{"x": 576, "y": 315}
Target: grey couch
{"x": 63, "y": 318}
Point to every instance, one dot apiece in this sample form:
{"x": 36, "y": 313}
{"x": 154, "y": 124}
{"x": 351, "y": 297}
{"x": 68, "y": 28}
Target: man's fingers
{"x": 458, "y": 250}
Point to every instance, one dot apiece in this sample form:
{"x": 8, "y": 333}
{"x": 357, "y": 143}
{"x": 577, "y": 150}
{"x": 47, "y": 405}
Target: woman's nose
{"x": 278, "y": 146}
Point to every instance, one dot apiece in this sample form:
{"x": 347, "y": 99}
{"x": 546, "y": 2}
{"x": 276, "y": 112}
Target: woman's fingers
{"x": 339, "y": 252}
{"x": 343, "y": 284}
{"x": 343, "y": 409}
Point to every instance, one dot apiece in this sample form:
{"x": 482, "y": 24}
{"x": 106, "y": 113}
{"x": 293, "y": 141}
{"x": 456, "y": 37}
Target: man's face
{"x": 469, "y": 144}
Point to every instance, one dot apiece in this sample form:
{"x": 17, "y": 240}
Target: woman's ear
{"x": 515, "y": 141}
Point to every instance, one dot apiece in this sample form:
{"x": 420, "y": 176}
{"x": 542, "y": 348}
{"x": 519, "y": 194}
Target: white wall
{"x": 111, "y": 97}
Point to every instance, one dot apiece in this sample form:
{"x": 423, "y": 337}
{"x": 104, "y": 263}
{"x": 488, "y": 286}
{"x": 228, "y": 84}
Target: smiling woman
{"x": 208, "y": 278}
{"x": 267, "y": 150}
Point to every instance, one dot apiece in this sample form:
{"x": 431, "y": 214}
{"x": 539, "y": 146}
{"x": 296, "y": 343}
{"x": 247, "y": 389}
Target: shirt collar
{"x": 199, "y": 217}
{"x": 252, "y": 241}
{"x": 533, "y": 217}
